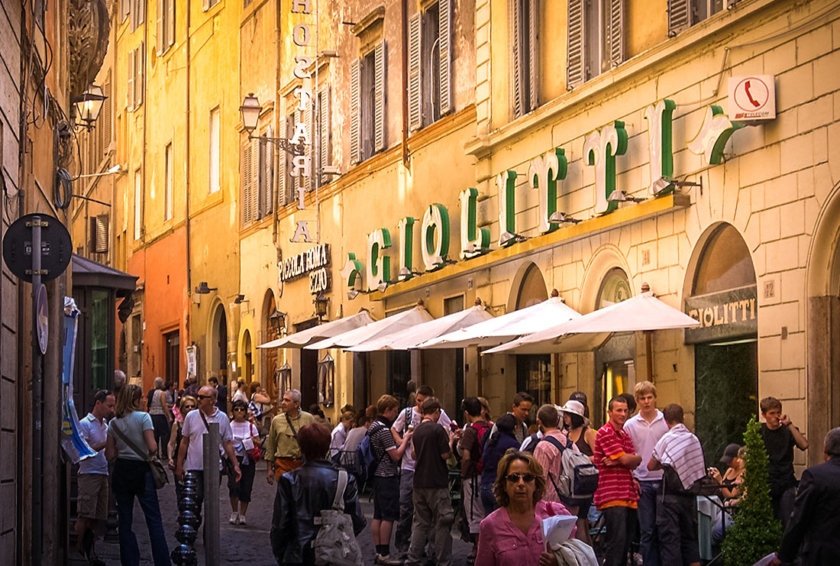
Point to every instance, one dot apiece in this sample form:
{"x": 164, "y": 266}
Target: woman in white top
{"x": 132, "y": 476}
{"x": 245, "y": 437}
{"x": 161, "y": 416}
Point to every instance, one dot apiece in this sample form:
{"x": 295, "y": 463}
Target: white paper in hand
{"x": 557, "y": 530}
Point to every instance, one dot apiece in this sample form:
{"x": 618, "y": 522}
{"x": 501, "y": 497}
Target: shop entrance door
{"x": 726, "y": 394}
{"x": 533, "y": 375}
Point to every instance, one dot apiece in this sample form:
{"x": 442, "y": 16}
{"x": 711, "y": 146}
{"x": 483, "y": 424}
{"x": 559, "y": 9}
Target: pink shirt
{"x": 501, "y": 543}
{"x": 551, "y": 460}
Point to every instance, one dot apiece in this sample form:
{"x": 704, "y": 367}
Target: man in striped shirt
{"x": 617, "y": 495}
{"x": 680, "y": 454}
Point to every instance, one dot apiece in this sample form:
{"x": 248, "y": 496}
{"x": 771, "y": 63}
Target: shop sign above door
{"x": 313, "y": 262}
{"x": 723, "y": 316}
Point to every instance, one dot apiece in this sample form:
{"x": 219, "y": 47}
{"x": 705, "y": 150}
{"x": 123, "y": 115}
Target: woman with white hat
{"x": 579, "y": 432}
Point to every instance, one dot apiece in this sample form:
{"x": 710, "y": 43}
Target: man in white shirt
{"x": 645, "y": 430}
{"x": 408, "y": 419}
{"x": 196, "y": 425}
{"x": 92, "y": 481}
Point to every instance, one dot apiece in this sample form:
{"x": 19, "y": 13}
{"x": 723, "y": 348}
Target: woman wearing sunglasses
{"x": 512, "y": 534}
{"x": 185, "y": 404}
{"x": 244, "y": 433}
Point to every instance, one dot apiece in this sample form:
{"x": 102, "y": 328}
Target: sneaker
{"x": 242, "y": 520}
{"x": 234, "y": 518}
{"x": 386, "y": 560}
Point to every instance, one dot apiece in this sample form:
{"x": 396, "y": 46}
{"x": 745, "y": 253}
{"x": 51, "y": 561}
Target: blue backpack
{"x": 366, "y": 460}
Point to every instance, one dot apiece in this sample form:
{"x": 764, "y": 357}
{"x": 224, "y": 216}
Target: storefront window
{"x": 533, "y": 372}
{"x": 98, "y": 321}
{"x": 614, "y": 359}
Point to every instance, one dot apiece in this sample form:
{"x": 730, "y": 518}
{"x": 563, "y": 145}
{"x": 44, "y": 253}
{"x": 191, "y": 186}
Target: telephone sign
{"x": 752, "y": 98}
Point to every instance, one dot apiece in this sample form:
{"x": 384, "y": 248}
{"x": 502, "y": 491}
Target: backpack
{"x": 481, "y": 430}
{"x": 532, "y": 445}
{"x": 579, "y": 479}
{"x": 366, "y": 460}
{"x": 335, "y": 543}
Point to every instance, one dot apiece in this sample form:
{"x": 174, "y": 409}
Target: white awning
{"x": 641, "y": 313}
{"x": 508, "y": 326}
{"x": 317, "y": 333}
{"x": 385, "y": 327}
{"x": 411, "y": 337}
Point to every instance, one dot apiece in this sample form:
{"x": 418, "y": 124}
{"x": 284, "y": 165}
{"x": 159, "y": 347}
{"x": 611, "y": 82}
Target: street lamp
{"x": 88, "y": 106}
{"x": 249, "y": 112}
{"x": 321, "y": 302}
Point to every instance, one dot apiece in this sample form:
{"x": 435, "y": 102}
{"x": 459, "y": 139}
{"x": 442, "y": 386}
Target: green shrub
{"x": 755, "y": 532}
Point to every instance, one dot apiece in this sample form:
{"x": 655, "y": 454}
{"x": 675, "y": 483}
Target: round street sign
{"x": 43, "y": 322}
{"x": 56, "y": 247}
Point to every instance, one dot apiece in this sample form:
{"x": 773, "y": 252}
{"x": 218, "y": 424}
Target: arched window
{"x": 725, "y": 263}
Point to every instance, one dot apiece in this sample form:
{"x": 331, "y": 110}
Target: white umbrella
{"x": 411, "y": 337}
{"x": 641, "y": 313}
{"x": 386, "y": 326}
{"x": 508, "y": 326}
{"x": 316, "y": 333}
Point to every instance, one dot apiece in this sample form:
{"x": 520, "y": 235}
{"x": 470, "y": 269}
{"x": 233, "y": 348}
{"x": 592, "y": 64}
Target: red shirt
{"x": 615, "y": 483}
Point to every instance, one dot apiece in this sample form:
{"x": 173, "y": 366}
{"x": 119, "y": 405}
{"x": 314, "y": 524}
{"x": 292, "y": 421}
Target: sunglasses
{"x": 204, "y": 396}
{"x": 239, "y": 409}
{"x": 189, "y": 407}
{"x": 515, "y": 478}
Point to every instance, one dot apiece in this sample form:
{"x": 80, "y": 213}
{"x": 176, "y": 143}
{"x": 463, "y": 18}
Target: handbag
{"x": 254, "y": 452}
{"x": 155, "y": 465}
{"x": 335, "y": 543}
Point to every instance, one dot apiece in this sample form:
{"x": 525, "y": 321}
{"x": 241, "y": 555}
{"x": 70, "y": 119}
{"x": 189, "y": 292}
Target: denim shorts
{"x": 386, "y": 498}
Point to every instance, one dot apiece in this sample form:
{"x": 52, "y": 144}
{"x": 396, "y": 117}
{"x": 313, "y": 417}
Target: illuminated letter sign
{"x": 506, "y": 182}
{"x": 543, "y": 174}
{"x": 660, "y": 120}
{"x": 379, "y": 264}
{"x": 474, "y": 240}
{"x": 406, "y": 228}
{"x": 351, "y": 270}
{"x": 435, "y": 240}
{"x": 600, "y": 149}
{"x": 713, "y": 135}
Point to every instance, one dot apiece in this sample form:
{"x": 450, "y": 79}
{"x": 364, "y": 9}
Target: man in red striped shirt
{"x": 617, "y": 495}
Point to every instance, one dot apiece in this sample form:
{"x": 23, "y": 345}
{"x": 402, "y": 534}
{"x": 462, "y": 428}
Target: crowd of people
{"x": 505, "y": 478}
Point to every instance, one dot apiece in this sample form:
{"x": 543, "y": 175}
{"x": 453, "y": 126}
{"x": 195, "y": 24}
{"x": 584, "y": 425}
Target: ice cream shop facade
{"x": 704, "y": 164}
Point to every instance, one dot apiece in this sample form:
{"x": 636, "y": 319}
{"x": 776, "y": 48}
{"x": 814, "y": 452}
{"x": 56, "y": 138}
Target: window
{"x": 324, "y": 132}
{"x": 125, "y": 9}
{"x": 136, "y": 72}
{"x": 265, "y": 176}
{"x": 430, "y": 64}
{"x": 685, "y": 13}
{"x": 138, "y": 13}
{"x": 257, "y": 170}
{"x": 215, "y": 146}
{"x": 99, "y": 234}
{"x": 207, "y": 4}
{"x": 286, "y": 184}
{"x": 100, "y": 341}
{"x": 250, "y": 171}
{"x": 167, "y": 193}
{"x": 165, "y": 28}
{"x": 596, "y": 41}
{"x": 525, "y": 62}
{"x": 367, "y": 105}
{"x": 138, "y": 205}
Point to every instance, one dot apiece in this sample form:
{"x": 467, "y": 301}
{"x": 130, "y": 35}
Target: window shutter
{"x": 160, "y": 33}
{"x": 379, "y": 98}
{"x": 139, "y": 67}
{"x": 125, "y": 9}
{"x": 129, "y": 92}
{"x": 617, "y": 54}
{"x": 355, "y": 108}
{"x": 445, "y": 49}
{"x": 256, "y": 174}
{"x": 574, "y": 65}
{"x": 533, "y": 54}
{"x": 415, "y": 116}
{"x": 267, "y": 205}
{"x": 100, "y": 234}
{"x": 514, "y": 17}
{"x": 678, "y": 14}
{"x": 141, "y": 11}
{"x": 308, "y": 179}
{"x": 170, "y": 23}
{"x": 205, "y": 5}
{"x": 246, "y": 182}
{"x": 324, "y": 134}
{"x": 282, "y": 192}
{"x": 105, "y": 127}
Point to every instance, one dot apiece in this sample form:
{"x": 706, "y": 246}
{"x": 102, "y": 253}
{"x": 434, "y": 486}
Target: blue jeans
{"x": 129, "y": 551}
{"x": 487, "y": 498}
{"x": 647, "y": 522}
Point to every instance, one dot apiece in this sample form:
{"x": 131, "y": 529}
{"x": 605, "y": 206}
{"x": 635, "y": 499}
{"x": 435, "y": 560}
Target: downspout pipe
{"x": 187, "y": 223}
{"x": 404, "y": 75}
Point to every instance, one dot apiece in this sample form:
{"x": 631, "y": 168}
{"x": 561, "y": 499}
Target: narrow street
{"x": 239, "y": 544}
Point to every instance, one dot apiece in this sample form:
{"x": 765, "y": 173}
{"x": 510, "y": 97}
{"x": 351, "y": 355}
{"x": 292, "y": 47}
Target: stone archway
{"x": 823, "y": 325}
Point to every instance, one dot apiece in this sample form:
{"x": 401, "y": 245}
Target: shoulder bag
{"x": 155, "y": 465}
{"x": 335, "y": 543}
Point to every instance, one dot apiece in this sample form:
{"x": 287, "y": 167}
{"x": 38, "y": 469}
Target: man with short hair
{"x": 282, "y": 452}
{"x": 433, "y": 513}
{"x": 645, "y": 429}
{"x": 92, "y": 479}
{"x": 780, "y": 436}
{"x": 520, "y": 409}
{"x": 196, "y": 425}
{"x": 616, "y": 496}
{"x": 549, "y": 451}
{"x": 408, "y": 418}
{"x": 680, "y": 455}
{"x": 386, "y": 478}
{"x": 221, "y": 393}
{"x": 811, "y": 534}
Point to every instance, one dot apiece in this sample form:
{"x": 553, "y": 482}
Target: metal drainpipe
{"x": 404, "y": 73}
{"x": 188, "y": 339}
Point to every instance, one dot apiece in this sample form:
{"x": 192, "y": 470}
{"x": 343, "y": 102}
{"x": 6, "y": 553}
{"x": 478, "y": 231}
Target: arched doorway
{"x": 615, "y": 359}
{"x": 247, "y": 370}
{"x": 533, "y": 372}
{"x": 218, "y": 345}
{"x": 271, "y": 330}
{"x": 723, "y": 298}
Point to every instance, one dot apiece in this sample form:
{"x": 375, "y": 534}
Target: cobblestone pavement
{"x": 239, "y": 544}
